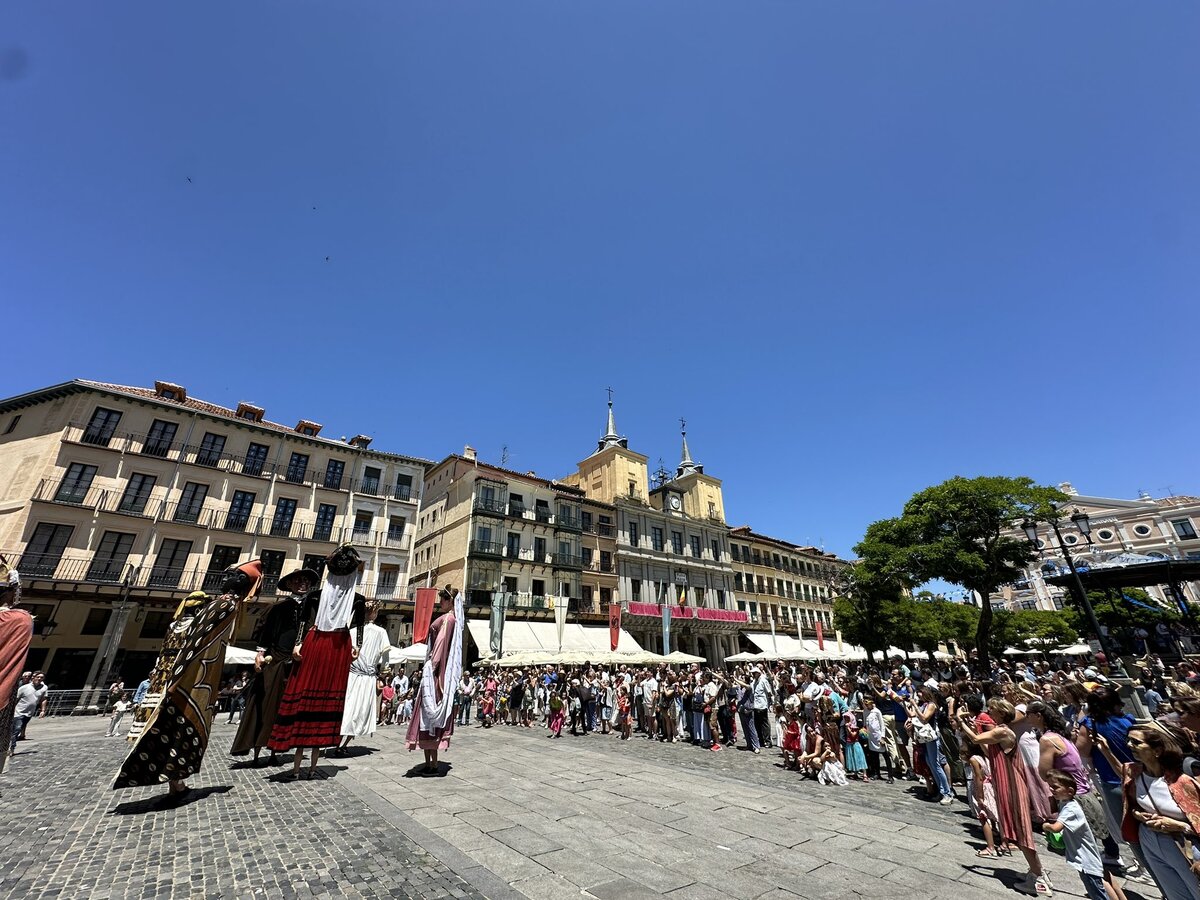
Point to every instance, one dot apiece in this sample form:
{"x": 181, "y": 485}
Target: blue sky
{"x": 860, "y": 247}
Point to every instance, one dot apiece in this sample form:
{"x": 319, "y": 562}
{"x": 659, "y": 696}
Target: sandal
{"x": 987, "y": 853}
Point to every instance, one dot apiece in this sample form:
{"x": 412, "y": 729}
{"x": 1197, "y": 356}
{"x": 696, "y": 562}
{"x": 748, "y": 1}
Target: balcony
{"x": 285, "y": 528}
{"x": 517, "y": 510}
{"x": 69, "y": 493}
{"x": 153, "y": 445}
{"x": 138, "y": 505}
{"x": 185, "y": 514}
{"x": 489, "y": 507}
{"x": 542, "y": 514}
{"x": 605, "y": 530}
{"x": 401, "y": 492}
{"x": 363, "y": 537}
{"x": 243, "y": 523}
{"x": 396, "y": 540}
{"x": 567, "y": 561}
{"x": 333, "y": 481}
{"x": 252, "y": 466}
{"x": 486, "y": 548}
{"x": 295, "y": 474}
{"x": 370, "y": 486}
{"x": 567, "y": 523}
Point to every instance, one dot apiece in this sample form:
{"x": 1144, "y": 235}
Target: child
{"x": 1083, "y": 853}
{"x": 981, "y": 795}
{"x": 487, "y": 708}
{"x": 119, "y": 709}
{"x": 623, "y": 712}
{"x": 558, "y": 713}
{"x": 779, "y": 725}
{"x": 407, "y": 708}
{"x": 791, "y": 742}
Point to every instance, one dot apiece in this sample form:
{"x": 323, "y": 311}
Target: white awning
{"x": 236, "y": 656}
{"x": 523, "y": 636}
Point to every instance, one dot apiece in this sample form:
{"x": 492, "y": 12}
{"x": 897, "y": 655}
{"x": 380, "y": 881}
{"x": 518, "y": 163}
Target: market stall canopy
{"x": 583, "y": 643}
{"x": 236, "y": 656}
{"x": 414, "y": 653}
{"x": 1074, "y": 650}
{"x": 744, "y": 657}
{"x": 679, "y": 658}
{"x": 1016, "y": 651}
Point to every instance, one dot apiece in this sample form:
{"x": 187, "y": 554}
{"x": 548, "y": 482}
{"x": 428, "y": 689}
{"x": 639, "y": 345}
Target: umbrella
{"x": 679, "y": 658}
{"x": 1013, "y": 651}
{"x": 1074, "y": 650}
{"x": 744, "y": 657}
{"x": 415, "y": 653}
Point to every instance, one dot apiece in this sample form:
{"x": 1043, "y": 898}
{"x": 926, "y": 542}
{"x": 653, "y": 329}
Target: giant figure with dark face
{"x": 282, "y": 628}
{"x": 310, "y": 715}
{"x": 171, "y": 746}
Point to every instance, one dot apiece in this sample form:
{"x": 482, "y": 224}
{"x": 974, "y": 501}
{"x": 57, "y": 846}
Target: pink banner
{"x": 689, "y": 612}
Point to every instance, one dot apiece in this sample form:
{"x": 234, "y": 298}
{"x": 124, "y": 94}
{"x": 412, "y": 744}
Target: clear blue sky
{"x": 860, "y": 247}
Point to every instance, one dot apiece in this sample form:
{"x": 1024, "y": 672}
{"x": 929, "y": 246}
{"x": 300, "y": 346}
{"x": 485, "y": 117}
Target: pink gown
{"x": 441, "y": 636}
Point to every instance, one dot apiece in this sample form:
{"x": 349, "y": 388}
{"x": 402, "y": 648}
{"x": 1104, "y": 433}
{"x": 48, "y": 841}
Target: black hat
{"x": 299, "y": 582}
{"x": 343, "y": 560}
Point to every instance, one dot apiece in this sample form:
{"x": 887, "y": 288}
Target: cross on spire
{"x": 611, "y": 438}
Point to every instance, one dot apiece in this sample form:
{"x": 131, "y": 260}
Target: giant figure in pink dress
{"x": 433, "y": 712}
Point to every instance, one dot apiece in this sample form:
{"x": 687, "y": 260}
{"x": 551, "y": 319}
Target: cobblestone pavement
{"x": 68, "y": 835}
{"x": 514, "y": 815}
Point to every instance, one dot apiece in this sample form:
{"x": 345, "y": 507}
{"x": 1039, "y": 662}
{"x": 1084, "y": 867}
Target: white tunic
{"x": 359, "y": 714}
{"x": 337, "y": 601}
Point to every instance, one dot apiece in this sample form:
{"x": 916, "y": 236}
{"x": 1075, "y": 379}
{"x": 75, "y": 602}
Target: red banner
{"x": 426, "y": 597}
{"x": 614, "y": 624}
{"x": 820, "y": 636}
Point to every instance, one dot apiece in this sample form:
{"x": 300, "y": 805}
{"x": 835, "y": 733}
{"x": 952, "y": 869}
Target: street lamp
{"x": 1081, "y": 521}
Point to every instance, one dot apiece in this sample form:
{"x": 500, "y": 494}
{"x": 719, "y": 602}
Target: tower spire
{"x": 686, "y": 465}
{"x": 611, "y": 438}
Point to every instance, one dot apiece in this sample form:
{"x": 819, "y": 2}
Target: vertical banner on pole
{"x": 820, "y": 636}
{"x": 496, "y": 638}
{"x": 666, "y": 628}
{"x": 560, "y": 618}
{"x": 774, "y": 640}
{"x": 614, "y": 625}
{"x": 423, "y": 613}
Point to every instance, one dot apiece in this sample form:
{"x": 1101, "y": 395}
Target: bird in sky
{"x": 189, "y": 179}
{"x": 327, "y": 259}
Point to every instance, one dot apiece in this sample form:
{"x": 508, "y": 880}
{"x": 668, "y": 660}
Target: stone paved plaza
{"x": 513, "y": 815}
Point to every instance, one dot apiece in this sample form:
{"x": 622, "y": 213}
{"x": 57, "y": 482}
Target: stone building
{"x": 779, "y": 579}
{"x": 116, "y": 501}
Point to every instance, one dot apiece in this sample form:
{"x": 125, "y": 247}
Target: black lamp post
{"x": 1081, "y": 521}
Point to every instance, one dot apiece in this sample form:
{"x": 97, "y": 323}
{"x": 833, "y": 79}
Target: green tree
{"x": 964, "y": 531}
{"x": 1032, "y": 629}
{"x": 863, "y": 605}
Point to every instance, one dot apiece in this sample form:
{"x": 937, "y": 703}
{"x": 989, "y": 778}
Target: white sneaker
{"x": 1042, "y": 886}
{"x": 946, "y": 801}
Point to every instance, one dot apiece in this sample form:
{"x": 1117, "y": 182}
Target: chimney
{"x": 361, "y": 441}
{"x": 469, "y": 452}
{"x": 1067, "y": 488}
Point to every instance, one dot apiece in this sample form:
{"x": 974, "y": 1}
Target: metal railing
{"x": 495, "y": 507}
{"x": 568, "y": 561}
{"x": 487, "y": 548}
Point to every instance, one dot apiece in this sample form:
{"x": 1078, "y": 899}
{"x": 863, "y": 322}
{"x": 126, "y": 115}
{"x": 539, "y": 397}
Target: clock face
{"x": 675, "y": 503}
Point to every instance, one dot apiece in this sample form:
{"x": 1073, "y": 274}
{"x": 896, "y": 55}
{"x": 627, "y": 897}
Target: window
{"x": 1104, "y": 534}
{"x": 606, "y": 528}
{"x": 606, "y": 561}
{"x": 734, "y": 552}
{"x": 156, "y": 624}
{"x": 513, "y": 550}
{"x": 314, "y": 561}
{"x": 137, "y": 493}
{"x": 272, "y": 566}
{"x": 191, "y": 501}
{"x": 335, "y": 470}
{"x": 633, "y": 534}
{"x": 100, "y": 429}
{"x": 323, "y": 530}
{"x": 635, "y": 589}
{"x": 516, "y": 504}
{"x": 211, "y": 449}
{"x": 585, "y": 520}
{"x": 108, "y": 563}
{"x": 395, "y": 530}
{"x": 541, "y": 510}
{"x": 716, "y": 550}
{"x": 633, "y": 489}
{"x": 222, "y": 558}
{"x": 170, "y": 563}
{"x": 403, "y": 489}
{"x": 362, "y": 523}
{"x": 75, "y": 484}
{"x": 370, "y": 482}
{"x": 239, "y": 511}
{"x": 656, "y": 538}
{"x": 44, "y": 549}
{"x": 297, "y": 468}
{"x": 97, "y": 621}
{"x": 539, "y": 587}
{"x": 605, "y": 595}
{"x": 12, "y": 424}
{"x": 308, "y": 430}
{"x": 1183, "y": 529}
{"x": 721, "y": 599}
{"x": 285, "y": 513}
{"x": 588, "y": 594}
{"x": 539, "y": 549}
{"x": 677, "y": 542}
{"x": 256, "y": 459}
{"x": 161, "y": 435}
{"x": 586, "y": 555}
{"x": 737, "y": 581}
{"x": 1141, "y": 530}
{"x": 695, "y": 542}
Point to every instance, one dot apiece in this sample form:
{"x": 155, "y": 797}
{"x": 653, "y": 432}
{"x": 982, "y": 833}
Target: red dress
{"x": 791, "y": 738}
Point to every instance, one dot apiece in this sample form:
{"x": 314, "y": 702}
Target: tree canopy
{"x": 964, "y": 531}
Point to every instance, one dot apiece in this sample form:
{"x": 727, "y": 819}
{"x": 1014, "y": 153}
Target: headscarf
{"x": 436, "y": 713}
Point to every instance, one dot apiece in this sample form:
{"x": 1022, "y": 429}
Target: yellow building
{"x": 672, "y": 545}
{"x": 776, "y": 578}
{"x": 116, "y": 501}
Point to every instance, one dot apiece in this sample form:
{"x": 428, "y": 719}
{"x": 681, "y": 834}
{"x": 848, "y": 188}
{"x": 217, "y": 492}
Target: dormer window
{"x": 307, "y": 428}
{"x": 249, "y": 412}
{"x": 169, "y": 391}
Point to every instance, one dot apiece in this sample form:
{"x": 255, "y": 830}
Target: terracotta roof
{"x": 746, "y": 533}
{"x": 224, "y": 412}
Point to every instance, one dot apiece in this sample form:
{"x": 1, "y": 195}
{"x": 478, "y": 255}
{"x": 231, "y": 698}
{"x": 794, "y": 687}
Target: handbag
{"x": 923, "y": 732}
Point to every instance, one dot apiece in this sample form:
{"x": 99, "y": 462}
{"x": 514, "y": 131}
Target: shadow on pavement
{"x": 164, "y": 802}
{"x": 320, "y": 773}
{"x": 418, "y": 771}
